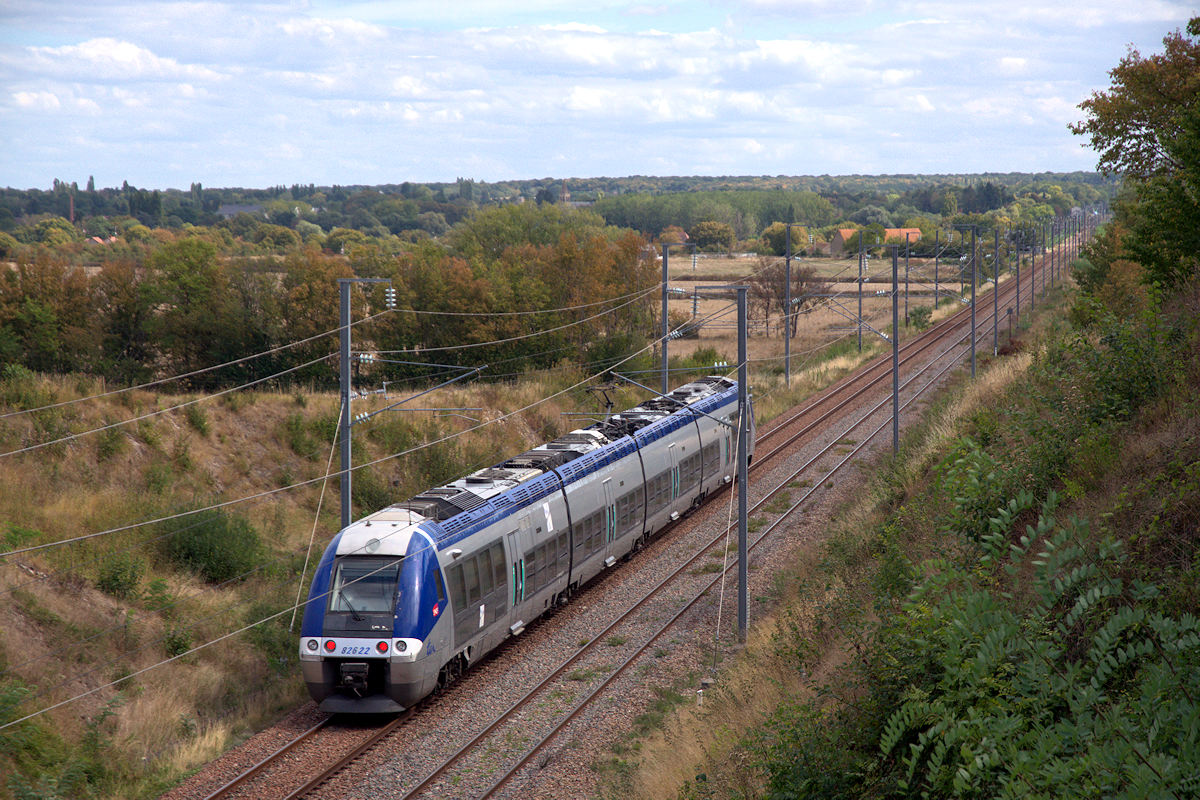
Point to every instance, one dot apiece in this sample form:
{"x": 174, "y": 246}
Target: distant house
{"x": 842, "y": 235}
{"x": 231, "y": 210}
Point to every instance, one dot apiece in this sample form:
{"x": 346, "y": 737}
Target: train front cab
{"x": 373, "y": 627}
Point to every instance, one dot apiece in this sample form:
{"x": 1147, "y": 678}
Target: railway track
{"x": 515, "y": 734}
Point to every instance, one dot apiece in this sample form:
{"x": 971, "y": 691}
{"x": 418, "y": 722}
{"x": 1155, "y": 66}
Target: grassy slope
{"x": 79, "y": 617}
{"x": 802, "y": 712}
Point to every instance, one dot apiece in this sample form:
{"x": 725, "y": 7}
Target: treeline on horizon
{"x": 135, "y": 285}
{"x": 646, "y": 204}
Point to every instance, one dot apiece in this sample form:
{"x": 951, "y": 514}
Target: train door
{"x": 610, "y": 523}
{"x": 673, "y": 449}
{"x": 728, "y": 470}
{"x": 518, "y": 541}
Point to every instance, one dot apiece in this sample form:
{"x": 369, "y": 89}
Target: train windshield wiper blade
{"x": 357, "y": 617}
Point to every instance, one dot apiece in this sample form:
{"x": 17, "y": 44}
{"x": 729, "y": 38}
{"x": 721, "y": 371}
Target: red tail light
{"x": 382, "y": 647}
{"x": 330, "y": 645}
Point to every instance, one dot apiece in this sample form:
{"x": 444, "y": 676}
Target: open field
{"x": 832, "y": 321}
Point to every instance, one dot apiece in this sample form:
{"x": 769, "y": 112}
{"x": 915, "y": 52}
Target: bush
{"x": 120, "y": 575}
{"x": 213, "y": 544}
{"x": 197, "y": 419}
{"x": 176, "y": 642}
{"x": 110, "y": 443}
{"x": 271, "y": 637}
{"x": 298, "y": 438}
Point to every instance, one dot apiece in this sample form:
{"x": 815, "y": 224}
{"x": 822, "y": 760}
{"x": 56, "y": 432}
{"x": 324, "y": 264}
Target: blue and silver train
{"x": 406, "y": 598}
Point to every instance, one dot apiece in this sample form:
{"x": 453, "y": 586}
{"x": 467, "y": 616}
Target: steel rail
{"x": 227, "y": 789}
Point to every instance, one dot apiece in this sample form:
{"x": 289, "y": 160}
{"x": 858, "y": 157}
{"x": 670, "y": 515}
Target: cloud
{"x": 41, "y": 101}
{"x": 107, "y": 59}
{"x": 781, "y": 87}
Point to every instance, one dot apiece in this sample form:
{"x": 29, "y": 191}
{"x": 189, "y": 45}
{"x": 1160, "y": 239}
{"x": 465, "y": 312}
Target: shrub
{"x": 919, "y": 317}
{"x": 271, "y": 637}
{"x": 120, "y": 575}
{"x": 198, "y": 419}
{"x": 21, "y": 389}
{"x": 110, "y": 443}
{"x": 297, "y": 436}
{"x": 176, "y": 642}
{"x": 213, "y": 544}
{"x": 369, "y": 492}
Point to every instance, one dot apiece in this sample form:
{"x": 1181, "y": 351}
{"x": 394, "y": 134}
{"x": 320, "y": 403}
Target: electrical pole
{"x": 344, "y": 385}
{"x": 895, "y": 351}
{"x": 974, "y": 280}
{"x": 937, "y": 297}
{"x": 743, "y": 436}
{"x": 665, "y": 326}
{"x": 974, "y": 253}
{"x": 787, "y": 308}
{"x": 860, "y": 282}
{"x": 1018, "y": 254}
{"x": 1032, "y": 271}
{"x": 996, "y": 294}
{"x": 906, "y": 250}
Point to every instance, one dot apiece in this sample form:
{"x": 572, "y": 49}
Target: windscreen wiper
{"x": 357, "y": 617}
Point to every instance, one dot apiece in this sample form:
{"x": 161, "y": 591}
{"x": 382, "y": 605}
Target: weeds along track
{"x": 533, "y": 704}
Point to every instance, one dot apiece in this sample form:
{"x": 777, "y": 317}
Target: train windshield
{"x": 365, "y": 585}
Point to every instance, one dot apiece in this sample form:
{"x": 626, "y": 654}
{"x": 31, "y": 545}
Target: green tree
{"x": 1132, "y": 124}
{"x": 1164, "y": 231}
{"x": 712, "y": 236}
{"x": 775, "y": 238}
{"x": 193, "y": 289}
{"x": 125, "y": 311}
{"x": 340, "y": 239}
{"x": 490, "y": 231}
{"x": 276, "y": 238}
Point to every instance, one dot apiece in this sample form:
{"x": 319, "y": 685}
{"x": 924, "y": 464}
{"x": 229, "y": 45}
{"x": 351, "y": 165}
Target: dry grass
{"x": 176, "y": 716}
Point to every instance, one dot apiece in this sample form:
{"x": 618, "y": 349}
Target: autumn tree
{"x": 1147, "y": 126}
{"x": 1132, "y": 124}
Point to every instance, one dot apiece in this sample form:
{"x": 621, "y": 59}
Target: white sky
{"x": 256, "y": 94}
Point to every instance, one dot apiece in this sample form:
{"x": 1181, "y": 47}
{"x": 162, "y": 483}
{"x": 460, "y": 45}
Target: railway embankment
{"x": 1011, "y": 604}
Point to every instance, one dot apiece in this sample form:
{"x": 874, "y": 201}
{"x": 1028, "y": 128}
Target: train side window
{"x": 499, "y": 568}
{"x": 595, "y": 531}
{"x": 485, "y": 572}
{"x": 441, "y": 587}
{"x": 532, "y": 565}
{"x": 471, "y": 580}
{"x": 458, "y": 591}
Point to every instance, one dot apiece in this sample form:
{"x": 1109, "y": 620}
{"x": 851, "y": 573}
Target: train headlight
{"x": 330, "y": 645}
{"x": 311, "y": 644}
{"x": 401, "y": 645}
